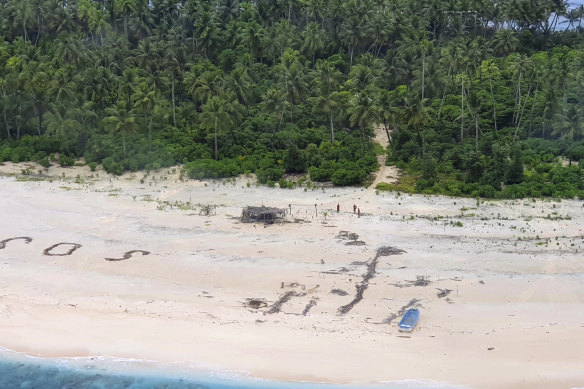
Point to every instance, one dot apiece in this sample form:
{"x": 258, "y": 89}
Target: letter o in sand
{"x": 74, "y": 247}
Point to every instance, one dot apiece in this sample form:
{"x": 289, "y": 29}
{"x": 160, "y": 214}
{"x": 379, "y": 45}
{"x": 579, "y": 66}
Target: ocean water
{"x": 19, "y": 371}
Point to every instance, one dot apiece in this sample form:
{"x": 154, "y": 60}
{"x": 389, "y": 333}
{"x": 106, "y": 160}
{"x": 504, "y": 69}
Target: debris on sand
{"x": 422, "y": 280}
{"x": 255, "y": 303}
{"x": 308, "y": 307}
{"x": 339, "y": 292}
{"x": 351, "y": 237}
{"x": 355, "y": 243}
{"x": 371, "y": 269}
{"x": 347, "y": 235}
{"x": 402, "y": 311}
{"x": 277, "y": 306}
{"x": 443, "y": 292}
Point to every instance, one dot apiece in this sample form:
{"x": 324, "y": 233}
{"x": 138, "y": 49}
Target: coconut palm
{"x": 120, "y": 120}
{"x": 215, "y": 116}
{"x": 362, "y": 113}
{"x": 569, "y": 126}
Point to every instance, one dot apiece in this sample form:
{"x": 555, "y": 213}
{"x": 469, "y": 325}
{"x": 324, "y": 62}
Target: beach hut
{"x": 263, "y": 214}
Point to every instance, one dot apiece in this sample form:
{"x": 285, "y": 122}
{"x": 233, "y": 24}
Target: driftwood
{"x": 361, "y": 287}
{"x": 264, "y": 214}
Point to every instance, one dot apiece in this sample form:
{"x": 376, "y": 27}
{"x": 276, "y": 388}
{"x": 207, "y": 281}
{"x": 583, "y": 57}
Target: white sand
{"x": 514, "y": 317}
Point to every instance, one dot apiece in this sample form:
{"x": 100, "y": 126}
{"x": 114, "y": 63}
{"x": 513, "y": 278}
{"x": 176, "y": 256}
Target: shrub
{"x": 269, "y": 174}
{"x": 209, "y": 168}
{"x": 110, "y": 165}
{"x": 65, "y": 160}
{"x": 44, "y": 162}
{"x": 92, "y": 166}
{"x": 348, "y": 176}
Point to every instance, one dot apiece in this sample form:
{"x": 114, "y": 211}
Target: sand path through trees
{"x": 389, "y": 174}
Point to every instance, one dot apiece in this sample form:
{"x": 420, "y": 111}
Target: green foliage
{"x": 271, "y": 174}
{"x": 348, "y": 174}
{"x": 209, "y": 168}
{"x": 514, "y": 174}
{"x": 298, "y": 87}
{"x": 65, "y": 160}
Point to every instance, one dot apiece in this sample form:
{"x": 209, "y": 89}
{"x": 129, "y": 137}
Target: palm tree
{"x": 425, "y": 45}
{"x": 120, "y": 119}
{"x": 327, "y": 99}
{"x": 415, "y": 115}
{"x": 504, "y": 42}
{"x": 390, "y": 112}
{"x": 215, "y": 116}
{"x": 549, "y": 110}
{"x": 145, "y": 99}
{"x": 228, "y": 10}
{"x": 521, "y": 65}
{"x": 275, "y": 102}
{"x": 206, "y": 30}
{"x": 351, "y": 35}
{"x": 61, "y": 122}
{"x": 22, "y": 15}
{"x": 239, "y": 83}
{"x": 125, "y": 8}
{"x": 490, "y": 70}
{"x": 313, "y": 41}
{"x": 202, "y": 87}
{"x": 252, "y": 36}
{"x": 569, "y": 126}
{"x": 474, "y": 104}
{"x": 362, "y": 113}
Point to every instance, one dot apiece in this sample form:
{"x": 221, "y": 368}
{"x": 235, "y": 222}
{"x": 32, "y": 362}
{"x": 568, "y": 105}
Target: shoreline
{"x": 501, "y": 280}
{"x": 187, "y": 374}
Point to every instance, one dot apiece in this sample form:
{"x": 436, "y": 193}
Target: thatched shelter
{"x": 262, "y": 214}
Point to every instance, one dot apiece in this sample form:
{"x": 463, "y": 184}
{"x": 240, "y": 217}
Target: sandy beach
{"x": 499, "y": 284}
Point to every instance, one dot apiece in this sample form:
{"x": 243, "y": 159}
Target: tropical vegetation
{"x": 476, "y": 97}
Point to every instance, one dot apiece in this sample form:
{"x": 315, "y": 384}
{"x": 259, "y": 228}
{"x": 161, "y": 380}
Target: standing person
{"x": 358, "y": 212}
{"x": 338, "y": 208}
{"x": 354, "y": 208}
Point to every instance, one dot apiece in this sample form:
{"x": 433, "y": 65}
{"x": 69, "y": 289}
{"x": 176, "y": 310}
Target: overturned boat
{"x": 409, "y": 321}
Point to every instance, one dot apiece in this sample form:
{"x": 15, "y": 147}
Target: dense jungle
{"x": 477, "y": 98}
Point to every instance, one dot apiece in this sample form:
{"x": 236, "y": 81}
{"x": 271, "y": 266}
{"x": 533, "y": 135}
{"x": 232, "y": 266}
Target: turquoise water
{"x": 18, "y": 371}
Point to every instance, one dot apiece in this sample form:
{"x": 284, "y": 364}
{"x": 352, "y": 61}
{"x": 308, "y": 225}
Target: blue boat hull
{"x": 409, "y": 321}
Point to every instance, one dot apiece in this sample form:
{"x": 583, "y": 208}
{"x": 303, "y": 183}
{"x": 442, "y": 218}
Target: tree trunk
{"x": 173, "y": 106}
{"x": 494, "y": 104}
{"x": 476, "y": 132}
{"x": 149, "y": 132}
{"x": 520, "y": 118}
{"x": 462, "y": 110}
{"x": 6, "y": 124}
{"x": 570, "y": 156}
{"x": 518, "y": 96}
{"x": 531, "y": 115}
{"x": 444, "y": 94}
{"x": 216, "y": 152}
{"x": 362, "y": 140}
{"x": 332, "y": 128}
{"x": 423, "y": 75}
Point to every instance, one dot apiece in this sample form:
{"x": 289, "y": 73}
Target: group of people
{"x": 355, "y": 209}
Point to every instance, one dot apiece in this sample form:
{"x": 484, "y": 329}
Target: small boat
{"x": 410, "y": 319}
